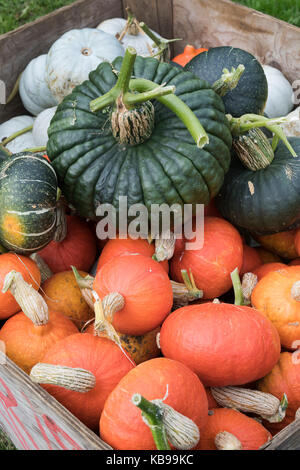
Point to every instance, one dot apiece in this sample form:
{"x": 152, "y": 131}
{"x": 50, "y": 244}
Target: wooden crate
{"x": 28, "y": 414}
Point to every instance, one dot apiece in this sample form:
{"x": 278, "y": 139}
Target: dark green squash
{"x": 28, "y": 191}
{"x": 250, "y": 94}
{"x": 264, "y": 201}
{"x": 168, "y": 167}
{"x": 4, "y": 153}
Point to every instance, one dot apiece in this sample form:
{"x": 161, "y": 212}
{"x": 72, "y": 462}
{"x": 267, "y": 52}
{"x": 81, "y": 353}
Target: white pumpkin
{"x": 33, "y": 89}
{"x": 280, "y": 93}
{"x": 40, "y": 126}
{"x": 74, "y": 55}
{"x": 22, "y": 142}
{"x": 292, "y": 127}
{"x": 137, "y": 39}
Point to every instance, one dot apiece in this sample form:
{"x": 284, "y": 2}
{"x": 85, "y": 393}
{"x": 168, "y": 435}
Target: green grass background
{"x": 14, "y": 13}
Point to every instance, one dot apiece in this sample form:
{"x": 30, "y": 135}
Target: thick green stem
{"x": 161, "y": 44}
{"x": 14, "y": 90}
{"x": 189, "y": 281}
{"x": 15, "y": 135}
{"x": 229, "y": 80}
{"x": 237, "y": 287}
{"x": 148, "y": 88}
{"x": 36, "y": 149}
{"x": 153, "y": 416}
{"x": 251, "y": 121}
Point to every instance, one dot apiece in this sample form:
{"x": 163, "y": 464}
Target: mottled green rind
{"x": 28, "y": 183}
{"x": 274, "y": 205}
{"x": 251, "y": 93}
{"x": 168, "y": 168}
{"x": 4, "y": 153}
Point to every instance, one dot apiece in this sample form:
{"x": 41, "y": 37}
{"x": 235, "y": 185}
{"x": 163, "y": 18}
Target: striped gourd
{"x": 28, "y": 191}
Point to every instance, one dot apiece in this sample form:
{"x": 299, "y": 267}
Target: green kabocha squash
{"x": 139, "y": 138}
{"x": 28, "y": 191}
{"x": 266, "y": 200}
{"x": 250, "y": 94}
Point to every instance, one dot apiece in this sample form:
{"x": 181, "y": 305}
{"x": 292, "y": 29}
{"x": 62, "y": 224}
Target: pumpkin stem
{"x": 153, "y": 417}
{"x": 251, "y": 401}
{"x": 226, "y": 441}
{"x": 85, "y": 285}
{"x": 295, "y": 291}
{"x": 237, "y": 287}
{"x": 163, "y": 53}
{"x": 170, "y": 100}
{"x": 15, "y": 135}
{"x": 229, "y": 80}
{"x": 254, "y": 149}
{"x": 246, "y": 122}
{"x": 31, "y": 302}
{"x": 61, "y": 224}
{"x": 71, "y": 378}
{"x": 249, "y": 281}
{"x": 164, "y": 247}
{"x": 36, "y": 149}
{"x": 14, "y": 90}
{"x": 185, "y": 293}
{"x": 45, "y": 271}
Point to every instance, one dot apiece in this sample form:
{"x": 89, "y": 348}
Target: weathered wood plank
{"x": 208, "y": 23}
{"x": 287, "y": 439}
{"x": 34, "y": 420}
{"x": 18, "y": 47}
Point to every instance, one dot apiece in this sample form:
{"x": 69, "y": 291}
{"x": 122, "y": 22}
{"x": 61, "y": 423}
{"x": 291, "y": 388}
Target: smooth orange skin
{"x": 140, "y": 348}
{"x": 282, "y": 243}
{"x": 118, "y": 246}
{"x": 283, "y": 378}
{"x": 187, "y": 55}
{"x": 251, "y": 260}
{"x": 211, "y": 265}
{"x": 26, "y": 343}
{"x": 266, "y": 268}
{"x": 121, "y": 423}
{"x": 210, "y": 399}
{"x": 146, "y": 288}
{"x": 78, "y": 249}
{"x": 30, "y": 272}
{"x": 223, "y": 344}
{"x": 295, "y": 262}
{"x": 272, "y": 296}
{"x": 61, "y": 293}
{"x": 267, "y": 256}
{"x": 250, "y": 432}
{"x": 100, "y": 356}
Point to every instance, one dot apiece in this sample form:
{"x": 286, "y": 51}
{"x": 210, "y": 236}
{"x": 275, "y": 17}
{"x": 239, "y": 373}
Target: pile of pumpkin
{"x": 149, "y": 342}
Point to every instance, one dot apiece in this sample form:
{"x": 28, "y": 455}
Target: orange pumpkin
{"x": 99, "y": 356}
{"x": 264, "y": 269}
{"x": 282, "y": 243}
{"x": 30, "y": 272}
{"x": 251, "y": 434}
{"x": 213, "y": 340}
{"x": 121, "y": 423}
{"x": 118, "y": 246}
{"x": 267, "y": 256}
{"x": 188, "y": 53}
{"x": 145, "y": 288}
{"x": 251, "y": 260}
{"x": 277, "y": 296}
{"x": 210, "y": 399}
{"x": 212, "y": 264}
{"x": 79, "y": 248}
{"x": 61, "y": 293}
{"x": 284, "y": 378}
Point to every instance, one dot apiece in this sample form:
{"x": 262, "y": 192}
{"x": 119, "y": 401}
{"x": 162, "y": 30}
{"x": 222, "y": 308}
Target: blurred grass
{"x": 14, "y": 13}
{"x": 5, "y": 442}
{"x": 286, "y": 10}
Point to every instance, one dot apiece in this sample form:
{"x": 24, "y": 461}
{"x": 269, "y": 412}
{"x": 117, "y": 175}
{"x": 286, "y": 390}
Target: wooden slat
{"x": 208, "y": 23}
{"x": 287, "y": 439}
{"x": 18, "y": 47}
{"x": 34, "y": 420}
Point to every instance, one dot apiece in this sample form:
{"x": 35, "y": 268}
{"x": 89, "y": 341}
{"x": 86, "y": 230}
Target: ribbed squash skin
{"x": 28, "y": 190}
{"x": 250, "y": 95}
{"x": 264, "y": 201}
{"x": 168, "y": 168}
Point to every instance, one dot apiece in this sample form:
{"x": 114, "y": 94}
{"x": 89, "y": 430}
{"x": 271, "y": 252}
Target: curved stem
{"x": 251, "y": 121}
{"x": 16, "y": 134}
{"x": 130, "y": 99}
{"x": 36, "y": 149}
{"x": 237, "y": 287}
{"x": 190, "y": 284}
{"x": 229, "y": 80}
{"x": 153, "y": 417}
{"x": 14, "y": 90}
